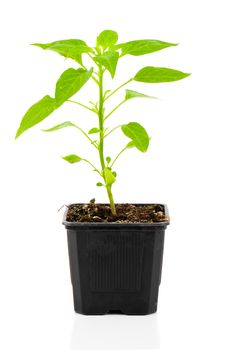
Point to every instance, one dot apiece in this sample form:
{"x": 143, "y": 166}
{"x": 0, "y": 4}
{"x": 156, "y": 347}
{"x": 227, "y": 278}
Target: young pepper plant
{"x": 104, "y": 57}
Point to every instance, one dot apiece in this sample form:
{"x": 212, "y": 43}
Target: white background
{"x": 189, "y": 166}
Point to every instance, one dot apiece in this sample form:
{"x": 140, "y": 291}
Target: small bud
{"x": 99, "y": 184}
{"x": 108, "y": 160}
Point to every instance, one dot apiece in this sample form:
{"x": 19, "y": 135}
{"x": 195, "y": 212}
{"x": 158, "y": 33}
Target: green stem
{"x": 114, "y": 161}
{"x": 101, "y": 141}
{"x": 108, "y": 115}
{"x": 127, "y": 82}
{"x": 87, "y": 161}
{"x": 101, "y": 119}
{"x": 111, "y": 200}
{"x": 85, "y": 134}
{"x": 95, "y": 80}
{"x": 82, "y": 105}
{"x": 116, "y": 127}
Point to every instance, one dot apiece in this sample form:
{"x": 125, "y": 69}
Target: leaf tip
{"x": 18, "y": 133}
{"x": 65, "y": 158}
{"x": 186, "y": 75}
{"x": 42, "y": 46}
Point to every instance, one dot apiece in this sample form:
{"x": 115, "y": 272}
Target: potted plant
{"x": 115, "y": 250}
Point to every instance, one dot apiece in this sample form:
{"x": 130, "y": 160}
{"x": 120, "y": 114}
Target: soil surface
{"x": 126, "y": 213}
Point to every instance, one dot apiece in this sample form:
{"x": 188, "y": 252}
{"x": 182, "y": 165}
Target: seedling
{"x": 104, "y": 58}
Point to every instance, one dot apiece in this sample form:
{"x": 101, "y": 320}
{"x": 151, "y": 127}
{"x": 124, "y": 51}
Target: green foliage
{"x": 142, "y": 47}
{"x": 130, "y": 144}
{"x": 104, "y": 58}
{"x": 109, "y": 177}
{"x": 93, "y": 131}
{"x": 137, "y": 134}
{"x": 159, "y": 75}
{"x": 108, "y": 160}
{"x": 69, "y": 83}
{"x": 107, "y": 39}
{"x": 72, "y": 158}
{"x": 109, "y": 61}
{"x": 37, "y": 113}
{"x": 71, "y": 48}
{"x": 59, "y": 126}
{"x": 132, "y": 94}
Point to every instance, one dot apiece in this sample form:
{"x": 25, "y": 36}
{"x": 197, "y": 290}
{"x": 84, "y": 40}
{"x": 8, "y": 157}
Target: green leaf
{"x": 72, "y": 158}
{"x": 137, "y": 134}
{"x": 133, "y": 94}
{"x": 142, "y": 47}
{"x": 99, "y": 184}
{"x": 108, "y": 60}
{"x": 69, "y": 83}
{"x": 59, "y": 126}
{"x": 71, "y": 48}
{"x": 93, "y": 131}
{"x": 109, "y": 177}
{"x": 159, "y": 75}
{"x": 107, "y": 38}
{"x": 36, "y": 113}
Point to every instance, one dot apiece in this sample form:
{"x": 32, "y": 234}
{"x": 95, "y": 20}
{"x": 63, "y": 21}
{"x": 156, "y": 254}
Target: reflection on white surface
{"x": 115, "y": 332}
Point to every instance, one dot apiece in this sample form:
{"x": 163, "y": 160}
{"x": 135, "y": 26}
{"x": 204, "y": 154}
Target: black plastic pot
{"x": 115, "y": 267}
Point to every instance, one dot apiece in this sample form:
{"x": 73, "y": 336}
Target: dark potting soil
{"x": 126, "y": 213}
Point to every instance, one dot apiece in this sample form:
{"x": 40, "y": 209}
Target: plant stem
{"x": 95, "y": 169}
{"x": 127, "y": 82}
{"x": 101, "y": 118}
{"x": 87, "y": 136}
{"x": 111, "y": 201}
{"x": 108, "y": 115}
{"x": 95, "y": 80}
{"x": 101, "y": 141}
{"x": 82, "y": 105}
{"x": 116, "y": 127}
{"x": 118, "y": 156}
